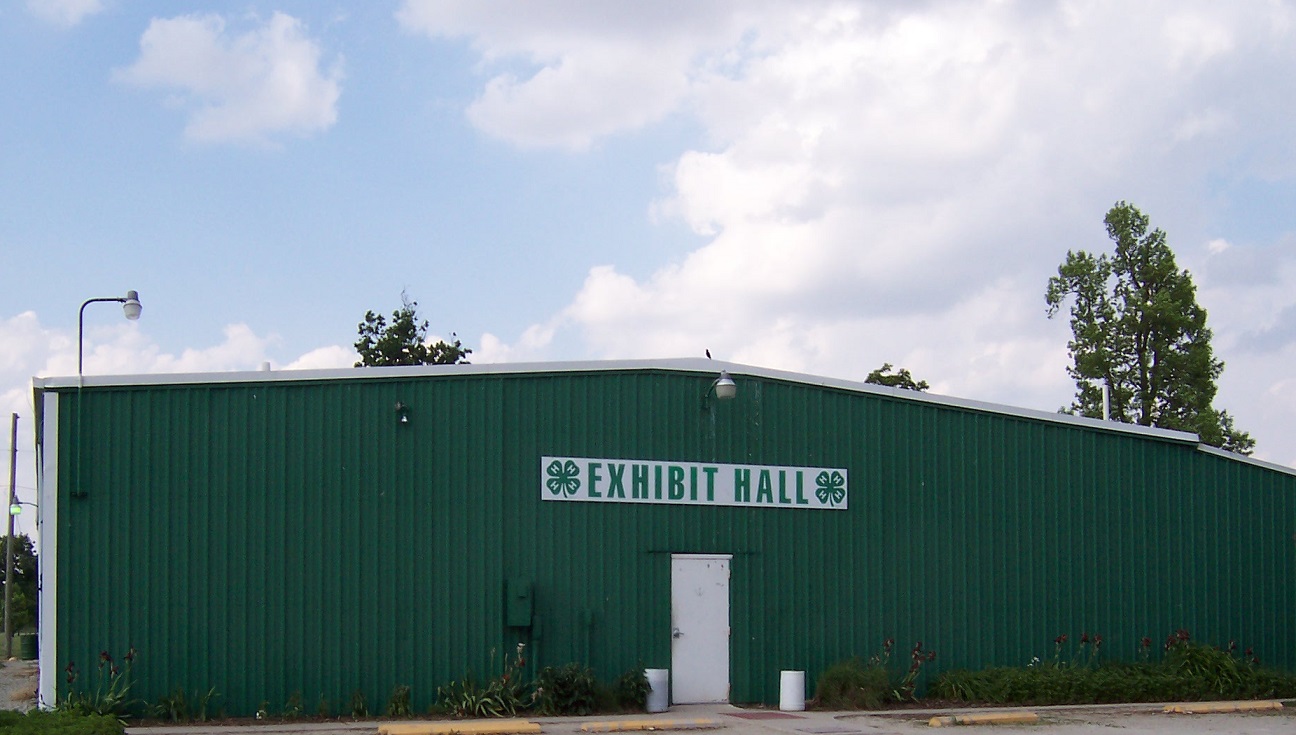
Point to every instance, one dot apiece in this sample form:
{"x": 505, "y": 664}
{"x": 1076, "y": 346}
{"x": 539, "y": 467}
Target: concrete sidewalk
{"x": 1131, "y": 719}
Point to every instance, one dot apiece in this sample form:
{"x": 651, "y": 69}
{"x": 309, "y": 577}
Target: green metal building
{"x": 328, "y": 532}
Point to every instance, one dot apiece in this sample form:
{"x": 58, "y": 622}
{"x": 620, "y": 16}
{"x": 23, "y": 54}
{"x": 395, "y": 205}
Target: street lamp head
{"x": 725, "y": 387}
{"x": 131, "y": 305}
{"x": 14, "y": 509}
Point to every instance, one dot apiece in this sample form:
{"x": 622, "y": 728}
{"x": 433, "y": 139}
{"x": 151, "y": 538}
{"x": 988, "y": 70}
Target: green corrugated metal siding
{"x": 280, "y": 537}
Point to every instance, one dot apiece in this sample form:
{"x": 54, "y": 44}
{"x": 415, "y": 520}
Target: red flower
{"x": 1182, "y": 634}
{"x": 1084, "y": 637}
{"x": 1060, "y": 639}
{"x": 1249, "y": 652}
{"x": 1146, "y": 642}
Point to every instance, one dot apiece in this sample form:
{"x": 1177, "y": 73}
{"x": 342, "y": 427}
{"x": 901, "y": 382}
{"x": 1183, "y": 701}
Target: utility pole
{"x": 9, "y": 540}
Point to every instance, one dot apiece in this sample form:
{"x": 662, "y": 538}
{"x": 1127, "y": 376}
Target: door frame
{"x": 726, "y": 638}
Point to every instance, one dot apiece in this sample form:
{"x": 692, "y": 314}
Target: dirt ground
{"x": 18, "y": 685}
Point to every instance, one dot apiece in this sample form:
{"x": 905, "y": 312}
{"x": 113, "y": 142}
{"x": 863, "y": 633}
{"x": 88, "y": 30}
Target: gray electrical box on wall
{"x": 519, "y": 603}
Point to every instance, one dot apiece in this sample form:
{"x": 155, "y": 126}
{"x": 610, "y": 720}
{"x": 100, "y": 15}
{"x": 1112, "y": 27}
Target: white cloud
{"x": 66, "y": 13}
{"x": 332, "y": 356}
{"x": 896, "y": 182}
{"x": 239, "y": 86}
{"x": 576, "y": 71}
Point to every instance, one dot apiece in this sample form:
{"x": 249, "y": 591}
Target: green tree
{"x": 24, "y": 591}
{"x": 1136, "y": 326}
{"x": 403, "y": 340}
{"x": 902, "y": 379}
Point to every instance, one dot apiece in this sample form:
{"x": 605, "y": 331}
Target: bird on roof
{"x": 708, "y": 354}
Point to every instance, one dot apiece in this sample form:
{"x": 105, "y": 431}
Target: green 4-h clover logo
{"x": 564, "y": 478}
{"x": 831, "y": 487}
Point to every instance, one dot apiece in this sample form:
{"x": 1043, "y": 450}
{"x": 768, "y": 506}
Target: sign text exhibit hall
{"x": 691, "y": 483}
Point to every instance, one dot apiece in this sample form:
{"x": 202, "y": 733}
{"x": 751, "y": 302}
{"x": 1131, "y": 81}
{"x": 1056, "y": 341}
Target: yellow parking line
{"x": 465, "y": 727}
{"x": 985, "y": 718}
{"x": 640, "y": 725}
{"x": 1201, "y": 708}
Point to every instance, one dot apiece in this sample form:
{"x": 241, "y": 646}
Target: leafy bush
{"x": 359, "y": 707}
{"x": 568, "y": 690}
{"x": 398, "y": 705}
{"x": 173, "y": 707}
{"x": 630, "y": 691}
{"x": 294, "y": 707}
{"x": 38, "y": 722}
{"x": 856, "y": 684}
{"x": 111, "y": 695}
{"x": 176, "y": 707}
{"x": 853, "y": 685}
{"x": 502, "y": 696}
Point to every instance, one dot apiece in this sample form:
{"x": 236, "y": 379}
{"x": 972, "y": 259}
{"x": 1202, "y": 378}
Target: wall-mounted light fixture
{"x": 724, "y": 388}
{"x": 402, "y": 413}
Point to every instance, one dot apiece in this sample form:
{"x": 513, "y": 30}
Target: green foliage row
{"x": 59, "y": 723}
{"x": 565, "y": 690}
{"x": 1189, "y": 672}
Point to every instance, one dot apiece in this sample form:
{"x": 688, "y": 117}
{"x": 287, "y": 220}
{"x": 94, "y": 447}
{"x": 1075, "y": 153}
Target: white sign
{"x": 691, "y": 483}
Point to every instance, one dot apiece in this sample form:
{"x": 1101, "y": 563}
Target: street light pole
{"x": 130, "y": 304}
{"x": 9, "y": 540}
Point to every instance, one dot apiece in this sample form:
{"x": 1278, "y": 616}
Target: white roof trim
{"x": 1245, "y": 459}
{"x": 677, "y": 364}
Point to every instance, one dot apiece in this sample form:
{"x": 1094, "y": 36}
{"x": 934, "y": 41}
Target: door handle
{"x": 675, "y": 633}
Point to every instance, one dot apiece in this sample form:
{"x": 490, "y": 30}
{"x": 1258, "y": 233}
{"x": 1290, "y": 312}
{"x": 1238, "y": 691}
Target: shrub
{"x": 359, "y": 707}
{"x": 294, "y": 707}
{"x": 173, "y": 707}
{"x": 501, "y": 696}
{"x": 568, "y": 690}
{"x": 111, "y": 695}
{"x": 630, "y": 691}
{"x": 398, "y": 705}
{"x": 853, "y": 685}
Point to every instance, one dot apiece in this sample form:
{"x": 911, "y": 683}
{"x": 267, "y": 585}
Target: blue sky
{"x": 812, "y": 186}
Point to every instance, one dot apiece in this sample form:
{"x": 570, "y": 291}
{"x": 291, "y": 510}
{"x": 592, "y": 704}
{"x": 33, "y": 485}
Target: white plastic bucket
{"x": 658, "y": 689}
{"x": 792, "y": 691}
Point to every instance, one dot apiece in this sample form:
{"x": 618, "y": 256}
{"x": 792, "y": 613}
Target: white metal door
{"x": 699, "y": 628}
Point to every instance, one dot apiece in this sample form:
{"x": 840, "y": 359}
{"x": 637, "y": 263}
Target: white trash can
{"x": 792, "y": 691}
{"x": 658, "y": 689}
